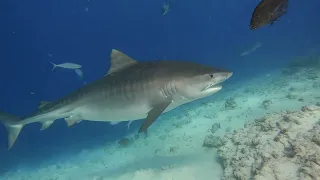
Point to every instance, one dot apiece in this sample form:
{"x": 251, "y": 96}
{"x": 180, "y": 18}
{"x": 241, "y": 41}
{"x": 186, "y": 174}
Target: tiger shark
{"x": 131, "y": 90}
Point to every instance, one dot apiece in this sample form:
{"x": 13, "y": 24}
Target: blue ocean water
{"x": 215, "y": 33}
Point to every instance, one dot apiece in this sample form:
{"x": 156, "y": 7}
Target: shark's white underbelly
{"x": 121, "y": 112}
{"x": 125, "y": 113}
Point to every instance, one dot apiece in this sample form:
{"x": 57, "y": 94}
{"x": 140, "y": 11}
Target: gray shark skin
{"x": 130, "y": 91}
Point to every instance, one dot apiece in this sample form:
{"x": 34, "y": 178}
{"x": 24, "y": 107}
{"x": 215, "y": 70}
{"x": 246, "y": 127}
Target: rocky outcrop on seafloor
{"x": 211, "y": 141}
{"x": 307, "y": 62}
{"x": 230, "y": 104}
{"x": 279, "y": 146}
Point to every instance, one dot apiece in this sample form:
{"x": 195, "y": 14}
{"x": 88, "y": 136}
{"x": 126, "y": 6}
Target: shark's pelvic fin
{"x": 119, "y": 60}
{"x": 46, "y": 124}
{"x": 153, "y": 115}
{"x": 43, "y": 103}
{"x": 72, "y": 120}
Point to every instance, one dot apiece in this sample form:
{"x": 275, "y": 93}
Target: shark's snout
{"x": 220, "y": 77}
{"x": 228, "y": 75}
{"x": 216, "y": 79}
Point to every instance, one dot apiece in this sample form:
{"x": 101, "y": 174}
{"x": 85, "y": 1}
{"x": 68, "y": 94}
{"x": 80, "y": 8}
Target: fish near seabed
{"x": 267, "y": 12}
{"x": 132, "y": 90}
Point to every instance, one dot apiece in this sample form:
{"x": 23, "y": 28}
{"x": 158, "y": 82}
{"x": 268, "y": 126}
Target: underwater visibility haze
{"x": 160, "y": 90}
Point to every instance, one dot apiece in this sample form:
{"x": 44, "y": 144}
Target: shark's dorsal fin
{"x": 119, "y": 60}
{"x": 43, "y": 103}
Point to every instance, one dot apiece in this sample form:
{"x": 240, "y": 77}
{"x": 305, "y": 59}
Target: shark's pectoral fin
{"x": 72, "y": 120}
{"x": 153, "y": 115}
{"x": 13, "y": 133}
{"x": 45, "y": 125}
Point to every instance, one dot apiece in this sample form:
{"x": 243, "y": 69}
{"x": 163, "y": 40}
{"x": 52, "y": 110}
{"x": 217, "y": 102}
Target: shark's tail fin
{"x": 54, "y": 65}
{"x": 11, "y": 122}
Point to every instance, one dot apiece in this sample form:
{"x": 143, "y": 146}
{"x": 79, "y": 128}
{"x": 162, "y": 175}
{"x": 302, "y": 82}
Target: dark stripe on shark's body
{"x": 130, "y": 91}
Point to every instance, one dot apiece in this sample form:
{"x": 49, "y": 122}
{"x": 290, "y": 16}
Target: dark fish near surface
{"x": 267, "y": 12}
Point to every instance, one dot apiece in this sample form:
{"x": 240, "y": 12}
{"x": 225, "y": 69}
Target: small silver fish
{"x": 252, "y": 49}
{"x": 166, "y": 7}
{"x": 66, "y": 65}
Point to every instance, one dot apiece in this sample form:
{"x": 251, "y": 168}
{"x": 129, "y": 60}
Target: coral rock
{"x": 280, "y": 146}
{"x": 211, "y": 141}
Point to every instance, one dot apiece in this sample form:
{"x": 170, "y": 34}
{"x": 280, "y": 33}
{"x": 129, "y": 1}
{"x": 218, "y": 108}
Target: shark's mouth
{"x": 212, "y": 87}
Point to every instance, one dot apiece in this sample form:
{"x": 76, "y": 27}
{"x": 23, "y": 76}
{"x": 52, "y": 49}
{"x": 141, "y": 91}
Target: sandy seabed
{"x": 269, "y": 129}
